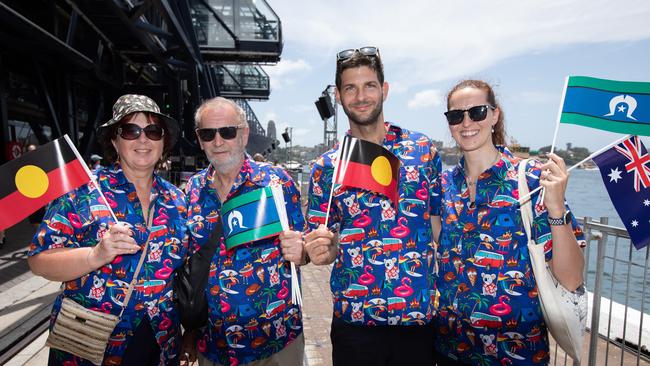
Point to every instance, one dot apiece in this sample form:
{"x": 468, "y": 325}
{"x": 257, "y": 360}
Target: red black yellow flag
{"x": 38, "y": 177}
{"x": 363, "y": 164}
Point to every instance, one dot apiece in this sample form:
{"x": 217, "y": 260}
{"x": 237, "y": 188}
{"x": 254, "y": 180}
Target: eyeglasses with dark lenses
{"x": 476, "y": 114}
{"x": 131, "y": 131}
{"x": 366, "y": 51}
{"x": 208, "y": 134}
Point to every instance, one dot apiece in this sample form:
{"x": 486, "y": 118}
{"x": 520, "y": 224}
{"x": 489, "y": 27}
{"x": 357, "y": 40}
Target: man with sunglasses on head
{"x": 251, "y": 320}
{"x": 382, "y": 280}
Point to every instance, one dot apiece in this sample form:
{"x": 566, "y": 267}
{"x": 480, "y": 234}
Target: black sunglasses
{"x": 131, "y": 131}
{"x": 366, "y": 51}
{"x": 476, "y": 114}
{"x": 208, "y": 134}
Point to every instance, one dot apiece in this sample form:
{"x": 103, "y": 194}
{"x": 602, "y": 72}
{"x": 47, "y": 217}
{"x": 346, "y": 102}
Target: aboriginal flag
{"x": 366, "y": 165}
{"x": 38, "y": 177}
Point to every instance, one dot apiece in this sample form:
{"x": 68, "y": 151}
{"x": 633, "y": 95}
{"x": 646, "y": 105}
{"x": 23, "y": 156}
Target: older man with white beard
{"x": 251, "y": 318}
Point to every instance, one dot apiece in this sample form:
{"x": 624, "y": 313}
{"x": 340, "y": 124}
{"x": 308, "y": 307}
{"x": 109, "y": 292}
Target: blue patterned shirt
{"x": 383, "y": 273}
{"x": 80, "y": 219}
{"x": 489, "y": 312}
{"x": 250, "y": 313}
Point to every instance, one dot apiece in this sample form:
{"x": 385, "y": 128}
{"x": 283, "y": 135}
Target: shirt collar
{"x": 504, "y": 160}
{"x": 393, "y": 133}
{"x": 250, "y": 171}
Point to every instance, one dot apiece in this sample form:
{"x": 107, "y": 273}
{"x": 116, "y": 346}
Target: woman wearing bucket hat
{"x": 79, "y": 243}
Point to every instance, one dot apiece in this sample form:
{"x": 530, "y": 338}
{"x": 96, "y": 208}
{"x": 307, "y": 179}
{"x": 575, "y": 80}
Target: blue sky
{"x": 525, "y": 49}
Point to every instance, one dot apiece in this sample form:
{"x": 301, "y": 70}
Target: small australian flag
{"x": 625, "y": 169}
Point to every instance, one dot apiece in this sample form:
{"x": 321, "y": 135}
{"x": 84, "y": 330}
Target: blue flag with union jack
{"x": 625, "y": 169}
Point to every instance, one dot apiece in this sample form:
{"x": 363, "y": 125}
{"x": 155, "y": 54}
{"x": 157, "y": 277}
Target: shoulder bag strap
{"x": 125, "y": 303}
{"x": 208, "y": 249}
{"x": 525, "y": 208}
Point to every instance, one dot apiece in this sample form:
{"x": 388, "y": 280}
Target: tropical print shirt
{"x": 383, "y": 272}
{"x": 250, "y": 313}
{"x": 81, "y": 218}
{"x": 489, "y": 312}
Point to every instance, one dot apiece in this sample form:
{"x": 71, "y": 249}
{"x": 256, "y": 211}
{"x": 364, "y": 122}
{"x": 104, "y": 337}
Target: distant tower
{"x": 270, "y": 130}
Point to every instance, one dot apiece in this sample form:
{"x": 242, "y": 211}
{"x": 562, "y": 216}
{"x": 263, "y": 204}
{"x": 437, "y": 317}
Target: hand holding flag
{"x": 257, "y": 215}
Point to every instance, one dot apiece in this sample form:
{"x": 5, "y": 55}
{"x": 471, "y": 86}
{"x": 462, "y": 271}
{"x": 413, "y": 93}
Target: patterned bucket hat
{"x": 131, "y": 103}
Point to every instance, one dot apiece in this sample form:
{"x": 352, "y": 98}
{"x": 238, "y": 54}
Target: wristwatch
{"x": 565, "y": 219}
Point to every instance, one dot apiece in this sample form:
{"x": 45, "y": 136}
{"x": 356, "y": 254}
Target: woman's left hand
{"x": 554, "y": 178}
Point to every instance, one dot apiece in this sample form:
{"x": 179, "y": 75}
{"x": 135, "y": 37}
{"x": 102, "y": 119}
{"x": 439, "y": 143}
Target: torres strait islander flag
{"x": 252, "y": 216}
{"x": 625, "y": 169}
{"x": 616, "y": 106}
{"x": 363, "y": 164}
{"x": 38, "y": 177}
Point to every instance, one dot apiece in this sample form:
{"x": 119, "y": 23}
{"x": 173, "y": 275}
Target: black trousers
{"x": 142, "y": 348}
{"x": 381, "y": 345}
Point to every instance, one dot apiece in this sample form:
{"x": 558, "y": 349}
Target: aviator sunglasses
{"x": 131, "y": 131}
{"x": 227, "y": 133}
{"x": 366, "y": 51}
{"x": 476, "y": 114}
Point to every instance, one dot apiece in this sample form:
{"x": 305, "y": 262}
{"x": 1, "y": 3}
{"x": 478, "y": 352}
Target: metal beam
{"x": 48, "y": 100}
{"x": 186, "y": 40}
{"x": 140, "y": 36}
{"x": 72, "y": 27}
{"x": 27, "y": 28}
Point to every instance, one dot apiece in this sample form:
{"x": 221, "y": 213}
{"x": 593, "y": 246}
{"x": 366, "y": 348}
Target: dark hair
{"x": 106, "y": 135}
{"x": 359, "y": 60}
{"x": 499, "y": 134}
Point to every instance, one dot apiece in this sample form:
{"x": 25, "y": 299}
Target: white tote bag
{"x": 565, "y": 312}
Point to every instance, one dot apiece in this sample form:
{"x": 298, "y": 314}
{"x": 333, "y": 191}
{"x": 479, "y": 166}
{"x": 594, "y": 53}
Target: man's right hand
{"x": 321, "y": 246}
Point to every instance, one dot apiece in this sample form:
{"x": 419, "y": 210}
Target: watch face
{"x": 567, "y": 217}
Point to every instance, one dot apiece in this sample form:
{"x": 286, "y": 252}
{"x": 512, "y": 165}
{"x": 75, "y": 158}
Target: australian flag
{"x": 625, "y": 169}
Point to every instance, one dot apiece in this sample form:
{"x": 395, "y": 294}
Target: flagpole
{"x": 559, "y": 114}
{"x": 336, "y": 168}
{"x": 91, "y": 175}
{"x": 598, "y": 152}
{"x": 280, "y": 204}
{"x": 557, "y": 120}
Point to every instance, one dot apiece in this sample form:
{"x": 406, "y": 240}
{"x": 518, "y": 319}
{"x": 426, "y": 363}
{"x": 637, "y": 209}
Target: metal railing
{"x": 616, "y": 275}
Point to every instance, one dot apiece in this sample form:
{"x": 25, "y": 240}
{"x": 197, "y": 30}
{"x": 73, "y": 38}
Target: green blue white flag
{"x": 616, "y": 106}
{"x": 253, "y": 216}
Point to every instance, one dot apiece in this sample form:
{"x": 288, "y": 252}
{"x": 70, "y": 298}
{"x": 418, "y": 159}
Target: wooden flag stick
{"x": 91, "y": 175}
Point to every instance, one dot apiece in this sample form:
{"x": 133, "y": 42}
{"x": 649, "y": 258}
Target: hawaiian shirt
{"x": 489, "y": 312}
{"x": 250, "y": 313}
{"x": 383, "y": 271}
{"x": 81, "y": 218}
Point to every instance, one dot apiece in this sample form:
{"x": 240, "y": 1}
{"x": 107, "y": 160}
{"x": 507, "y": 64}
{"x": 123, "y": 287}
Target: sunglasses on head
{"x": 227, "y": 133}
{"x": 366, "y": 51}
{"x": 476, "y": 114}
{"x": 131, "y": 131}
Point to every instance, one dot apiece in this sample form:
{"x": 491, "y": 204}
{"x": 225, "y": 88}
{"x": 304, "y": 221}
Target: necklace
{"x": 472, "y": 182}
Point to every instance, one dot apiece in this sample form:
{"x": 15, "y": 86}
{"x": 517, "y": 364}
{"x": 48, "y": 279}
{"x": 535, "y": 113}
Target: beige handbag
{"x": 84, "y": 332}
{"x": 565, "y": 312}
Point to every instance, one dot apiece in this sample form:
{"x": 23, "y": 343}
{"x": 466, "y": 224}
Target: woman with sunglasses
{"x": 489, "y": 312}
{"x": 81, "y": 245}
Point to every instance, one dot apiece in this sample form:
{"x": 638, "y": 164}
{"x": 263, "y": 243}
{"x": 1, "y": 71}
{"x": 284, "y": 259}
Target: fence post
{"x": 595, "y": 308}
